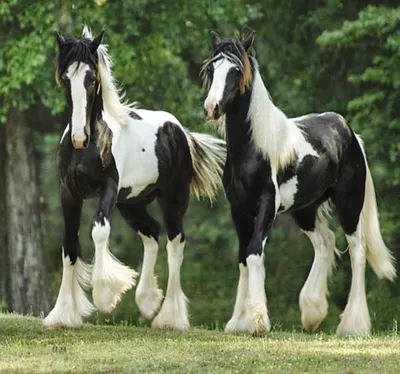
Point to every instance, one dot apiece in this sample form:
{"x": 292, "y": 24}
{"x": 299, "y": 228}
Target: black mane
{"x": 75, "y": 50}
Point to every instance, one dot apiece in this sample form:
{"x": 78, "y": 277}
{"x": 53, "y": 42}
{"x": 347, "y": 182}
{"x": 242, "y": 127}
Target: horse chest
{"x": 83, "y": 172}
{"x": 243, "y": 183}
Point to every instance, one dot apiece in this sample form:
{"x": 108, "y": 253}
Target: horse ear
{"x": 94, "y": 44}
{"x": 248, "y": 40}
{"x": 60, "y": 40}
{"x": 216, "y": 39}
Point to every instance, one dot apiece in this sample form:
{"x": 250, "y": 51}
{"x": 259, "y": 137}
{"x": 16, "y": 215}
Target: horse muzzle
{"x": 80, "y": 141}
{"x": 213, "y": 112}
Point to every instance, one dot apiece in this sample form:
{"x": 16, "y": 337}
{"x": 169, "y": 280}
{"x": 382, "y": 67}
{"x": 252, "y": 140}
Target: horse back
{"x": 328, "y": 133}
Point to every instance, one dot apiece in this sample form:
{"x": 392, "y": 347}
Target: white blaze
{"x": 216, "y": 92}
{"x": 79, "y": 102}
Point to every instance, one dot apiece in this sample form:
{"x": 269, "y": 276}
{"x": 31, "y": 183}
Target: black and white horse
{"x": 125, "y": 157}
{"x": 299, "y": 165}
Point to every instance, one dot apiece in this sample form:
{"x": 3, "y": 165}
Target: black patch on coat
{"x": 146, "y": 196}
{"x": 176, "y": 172}
{"x": 134, "y": 115}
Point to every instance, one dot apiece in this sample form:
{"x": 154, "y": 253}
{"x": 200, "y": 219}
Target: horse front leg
{"x": 110, "y": 277}
{"x": 257, "y": 312}
{"x": 244, "y": 225}
{"x": 72, "y": 303}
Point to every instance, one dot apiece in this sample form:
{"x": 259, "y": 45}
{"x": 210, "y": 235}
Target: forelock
{"x": 233, "y": 51}
{"x": 75, "y": 50}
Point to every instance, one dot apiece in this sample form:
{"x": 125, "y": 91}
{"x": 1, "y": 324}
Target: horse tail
{"x": 379, "y": 256}
{"x": 208, "y": 159}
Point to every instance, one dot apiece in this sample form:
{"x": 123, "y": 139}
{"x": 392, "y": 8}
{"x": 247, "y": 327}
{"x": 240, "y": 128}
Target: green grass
{"x": 27, "y": 347}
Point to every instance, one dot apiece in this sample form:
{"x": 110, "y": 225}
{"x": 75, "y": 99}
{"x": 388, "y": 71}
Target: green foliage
{"x": 26, "y": 55}
{"x": 375, "y": 109}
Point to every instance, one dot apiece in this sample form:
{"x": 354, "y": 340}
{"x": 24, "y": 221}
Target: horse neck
{"x": 237, "y": 126}
{"x": 271, "y": 131}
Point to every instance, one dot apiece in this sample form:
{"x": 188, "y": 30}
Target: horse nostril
{"x": 86, "y": 142}
{"x": 216, "y": 112}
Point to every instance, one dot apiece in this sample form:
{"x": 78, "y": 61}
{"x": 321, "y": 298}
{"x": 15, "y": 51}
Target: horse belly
{"x": 139, "y": 174}
{"x": 297, "y": 192}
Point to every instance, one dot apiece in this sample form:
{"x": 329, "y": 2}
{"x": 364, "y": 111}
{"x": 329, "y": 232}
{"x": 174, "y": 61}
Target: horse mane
{"x": 271, "y": 131}
{"x": 78, "y": 50}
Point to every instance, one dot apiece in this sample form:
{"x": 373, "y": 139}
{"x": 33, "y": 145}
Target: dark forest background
{"x": 314, "y": 56}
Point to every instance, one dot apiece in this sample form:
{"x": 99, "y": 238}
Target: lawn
{"x": 26, "y": 347}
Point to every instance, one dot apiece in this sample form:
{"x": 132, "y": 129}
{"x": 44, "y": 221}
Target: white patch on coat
{"x": 313, "y": 302}
{"x": 238, "y": 321}
{"x": 216, "y": 92}
{"x": 76, "y": 75}
{"x": 148, "y": 296}
{"x": 110, "y": 277}
{"x": 72, "y": 303}
{"x": 302, "y": 146}
{"x": 287, "y": 192}
{"x": 174, "y": 313}
{"x": 257, "y": 315}
{"x": 133, "y": 148}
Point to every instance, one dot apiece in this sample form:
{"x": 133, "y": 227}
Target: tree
{"x": 374, "y": 109}
{"x": 21, "y": 54}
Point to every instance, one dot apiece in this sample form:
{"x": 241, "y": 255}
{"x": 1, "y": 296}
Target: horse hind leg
{"x": 72, "y": 304}
{"x": 348, "y": 198}
{"x": 355, "y": 319}
{"x": 313, "y": 296}
{"x": 110, "y": 277}
{"x": 148, "y": 296}
{"x": 174, "y": 311}
{"x": 174, "y": 180}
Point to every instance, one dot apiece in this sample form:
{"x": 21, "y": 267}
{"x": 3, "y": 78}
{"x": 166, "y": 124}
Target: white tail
{"x": 208, "y": 159}
{"x": 379, "y": 256}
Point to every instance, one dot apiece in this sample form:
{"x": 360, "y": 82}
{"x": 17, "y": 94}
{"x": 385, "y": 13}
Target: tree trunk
{"x": 29, "y": 289}
{"x": 4, "y": 300}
